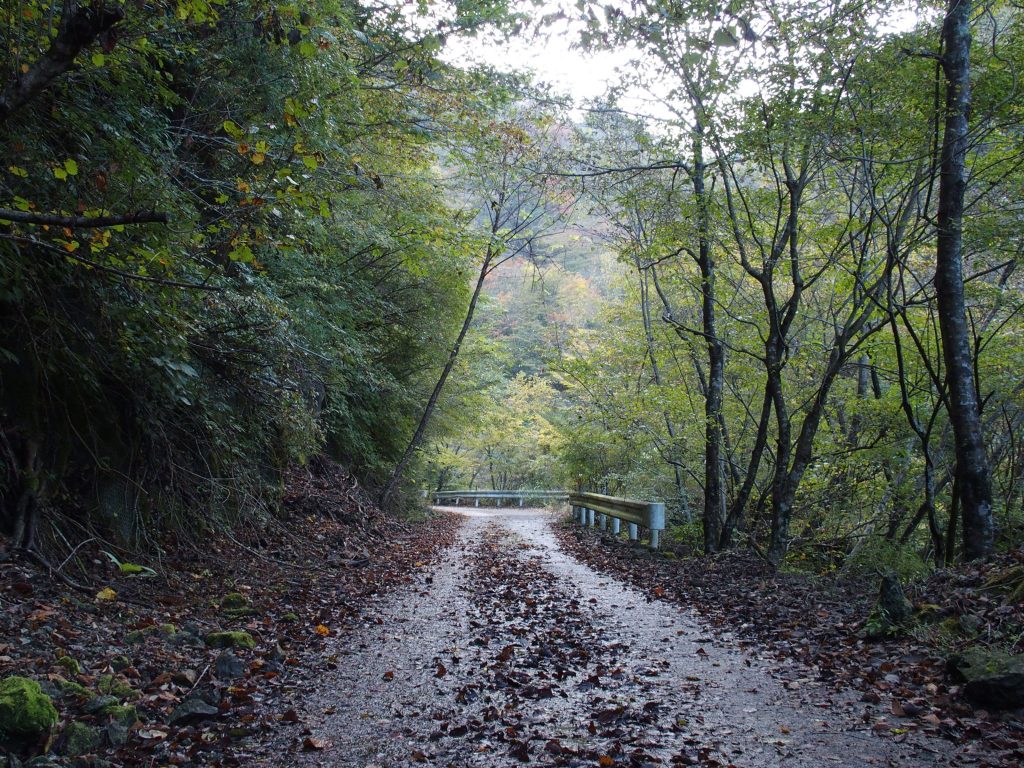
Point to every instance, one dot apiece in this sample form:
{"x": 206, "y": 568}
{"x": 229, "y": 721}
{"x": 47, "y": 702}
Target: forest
{"x": 274, "y": 269}
{"x": 241, "y": 236}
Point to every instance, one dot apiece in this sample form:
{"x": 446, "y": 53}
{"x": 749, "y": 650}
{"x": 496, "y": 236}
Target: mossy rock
{"x": 120, "y": 662}
{"x": 238, "y": 613}
{"x": 115, "y": 686}
{"x": 892, "y": 610}
{"x": 126, "y": 716}
{"x": 139, "y": 635}
{"x": 230, "y": 640}
{"x": 289, "y": 618}
{"x": 70, "y": 664}
{"x": 233, "y": 601}
{"x": 101, "y": 704}
{"x": 70, "y": 688}
{"x": 991, "y": 678}
{"x": 79, "y": 739}
{"x": 121, "y": 721}
{"x": 25, "y": 711}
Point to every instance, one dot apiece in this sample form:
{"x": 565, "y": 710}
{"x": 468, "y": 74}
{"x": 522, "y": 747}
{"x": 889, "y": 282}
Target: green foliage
{"x": 157, "y": 376}
{"x": 875, "y": 556}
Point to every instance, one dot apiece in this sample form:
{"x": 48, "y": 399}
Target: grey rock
{"x": 192, "y": 710}
{"x": 79, "y": 739}
{"x": 99, "y": 703}
{"x": 117, "y": 733}
{"x": 228, "y": 666}
{"x": 991, "y": 678}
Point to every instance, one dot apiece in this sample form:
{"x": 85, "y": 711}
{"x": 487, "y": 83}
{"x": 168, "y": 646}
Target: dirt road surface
{"x": 510, "y": 652}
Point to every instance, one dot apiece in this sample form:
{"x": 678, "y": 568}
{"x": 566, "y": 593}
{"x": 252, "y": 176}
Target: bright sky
{"x": 552, "y": 59}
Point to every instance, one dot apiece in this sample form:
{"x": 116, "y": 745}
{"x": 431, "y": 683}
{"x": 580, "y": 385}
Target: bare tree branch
{"x": 82, "y": 222}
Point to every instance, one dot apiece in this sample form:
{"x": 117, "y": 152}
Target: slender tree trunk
{"x": 389, "y": 487}
{"x": 714, "y": 487}
{"x": 739, "y": 502}
{"x": 781, "y": 507}
{"x": 973, "y": 478}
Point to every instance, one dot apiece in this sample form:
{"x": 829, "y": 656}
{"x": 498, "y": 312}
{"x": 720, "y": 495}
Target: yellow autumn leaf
{"x": 106, "y": 594}
{"x": 322, "y": 630}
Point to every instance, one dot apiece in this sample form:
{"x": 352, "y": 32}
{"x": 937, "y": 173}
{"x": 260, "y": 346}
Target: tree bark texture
{"x": 973, "y": 479}
{"x": 714, "y": 487}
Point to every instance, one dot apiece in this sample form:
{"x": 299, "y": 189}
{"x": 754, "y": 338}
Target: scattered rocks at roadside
{"x": 991, "y": 678}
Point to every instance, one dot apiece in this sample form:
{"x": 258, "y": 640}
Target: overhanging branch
{"x": 79, "y": 28}
{"x": 81, "y": 222}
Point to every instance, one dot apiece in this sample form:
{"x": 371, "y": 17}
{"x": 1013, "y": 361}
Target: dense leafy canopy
{"x": 236, "y": 235}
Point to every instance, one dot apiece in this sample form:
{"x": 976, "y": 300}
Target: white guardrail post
{"x": 609, "y": 512}
{"x": 655, "y": 522}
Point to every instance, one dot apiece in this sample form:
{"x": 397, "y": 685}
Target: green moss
{"x": 130, "y": 568}
{"x": 230, "y": 640}
{"x": 290, "y": 617}
{"x": 25, "y": 711}
{"x": 126, "y": 716}
{"x": 79, "y": 739}
{"x": 71, "y": 688}
{"x": 234, "y": 601}
{"x": 115, "y": 686}
{"x": 120, "y": 662}
{"x": 239, "y": 613}
{"x": 168, "y": 629}
{"x": 70, "y": 664}
{"x": 139, "y": 635}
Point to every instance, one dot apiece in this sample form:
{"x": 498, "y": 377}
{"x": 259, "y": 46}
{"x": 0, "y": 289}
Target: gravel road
{"x": 510, "y": 652}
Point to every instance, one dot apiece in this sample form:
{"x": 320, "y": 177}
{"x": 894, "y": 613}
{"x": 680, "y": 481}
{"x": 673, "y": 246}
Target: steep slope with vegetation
{"x": 224, "y": 250}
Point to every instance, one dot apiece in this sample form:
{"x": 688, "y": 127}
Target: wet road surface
{"x": 510, "y": 652}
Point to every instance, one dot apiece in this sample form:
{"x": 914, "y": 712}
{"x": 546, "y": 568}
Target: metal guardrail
{"x": 476, "y": 496}
{"x": 592, "y": 509}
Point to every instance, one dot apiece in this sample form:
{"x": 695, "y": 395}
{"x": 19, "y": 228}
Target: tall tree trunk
{"x": 973, "y": 478}
{"x": 396, "y": 476}
{"x": 714, "y": 486}
{"x": 781, "y": 508}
